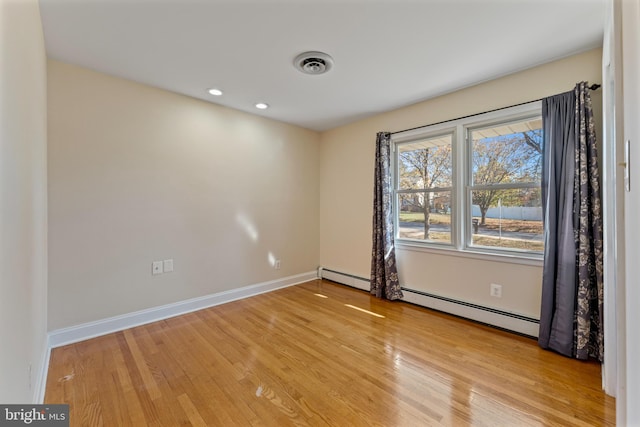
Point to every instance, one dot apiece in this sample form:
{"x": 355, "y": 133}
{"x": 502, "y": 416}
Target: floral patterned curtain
{"x": 384, "y": 274}
{"x": 590, "y": 307}
{"x": 572, "y": 286}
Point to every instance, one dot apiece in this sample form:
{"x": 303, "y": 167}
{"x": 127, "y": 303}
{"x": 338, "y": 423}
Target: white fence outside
{"x": 511, "y": 212}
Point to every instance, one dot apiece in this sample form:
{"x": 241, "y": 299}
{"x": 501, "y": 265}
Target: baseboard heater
{"x": 498, "y": 318}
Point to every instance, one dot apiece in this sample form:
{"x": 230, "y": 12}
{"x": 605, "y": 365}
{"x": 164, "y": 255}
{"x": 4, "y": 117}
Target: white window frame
{"x": 435, "y": 133}
{"x": 460, "y": 191}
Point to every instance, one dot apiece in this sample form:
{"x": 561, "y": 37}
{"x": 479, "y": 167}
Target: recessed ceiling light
{"x": 262, "y": 106}
{"x": 215, "y": 92}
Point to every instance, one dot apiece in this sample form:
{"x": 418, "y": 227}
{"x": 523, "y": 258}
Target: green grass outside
{"x": 513, "y": 225}
{"x": 434, "y": 218}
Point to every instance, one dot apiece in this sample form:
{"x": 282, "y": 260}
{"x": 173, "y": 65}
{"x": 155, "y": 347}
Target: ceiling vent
{"x": 313, "y": 62}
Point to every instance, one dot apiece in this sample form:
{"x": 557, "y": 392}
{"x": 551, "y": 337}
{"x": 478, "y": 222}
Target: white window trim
{"x": 508, "y": 257}
{"x": 460, "y": 210}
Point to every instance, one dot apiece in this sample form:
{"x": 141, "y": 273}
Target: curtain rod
{"x": 594, "y": 86}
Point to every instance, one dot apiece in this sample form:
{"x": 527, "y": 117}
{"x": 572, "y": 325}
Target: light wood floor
{"x": 308, "y": 355}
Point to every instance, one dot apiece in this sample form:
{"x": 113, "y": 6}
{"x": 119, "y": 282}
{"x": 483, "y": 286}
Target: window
{"x": 472, "y": 184}
{"x": 425, "y": 179}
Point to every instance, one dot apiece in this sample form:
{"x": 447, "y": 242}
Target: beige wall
{"x": 137, "y": 174}
{"x": 23, "y": 201}
{"x": 346, "y": 165}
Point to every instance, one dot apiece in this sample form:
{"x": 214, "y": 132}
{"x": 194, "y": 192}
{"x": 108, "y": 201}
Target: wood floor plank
{"x": 320, "y": 354}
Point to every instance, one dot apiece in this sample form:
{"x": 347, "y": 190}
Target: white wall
{"x": 346, "y": 165}
{"x": 23, "y": 201}
{"x": 138, "y": 174}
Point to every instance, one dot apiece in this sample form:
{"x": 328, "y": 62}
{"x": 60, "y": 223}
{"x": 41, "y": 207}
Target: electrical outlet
{"x": 156, "y": 267}
{"x": 495, "y": 290}
{"x": 276, "y": 264}
{"x": 168, "y": 265}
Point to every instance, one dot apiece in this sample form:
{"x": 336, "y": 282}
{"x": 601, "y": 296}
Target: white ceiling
{"x": 387, "y": 53}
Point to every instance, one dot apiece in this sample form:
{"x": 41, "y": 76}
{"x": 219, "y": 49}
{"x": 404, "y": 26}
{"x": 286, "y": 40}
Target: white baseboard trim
{"x": 89, "y": 330}
{"x": 501, "y": 319}
{"x": 41, "y": 374}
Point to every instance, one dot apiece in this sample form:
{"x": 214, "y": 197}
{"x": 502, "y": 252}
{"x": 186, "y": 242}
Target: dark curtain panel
{"x": 572, "y": 288}
{"x": 558, "y": 277}
{"x": 384, "y": 274}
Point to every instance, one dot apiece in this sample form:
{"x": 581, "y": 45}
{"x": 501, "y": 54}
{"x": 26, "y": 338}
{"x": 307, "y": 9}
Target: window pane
{"x": 425, "y": 164}
{"x": 507, "y": 219}
{"x": 507, "y": 153}
{"x": 425, "y": 216}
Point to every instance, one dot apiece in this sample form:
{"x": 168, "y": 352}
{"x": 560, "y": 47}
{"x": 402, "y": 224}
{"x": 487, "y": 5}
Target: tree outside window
{"x": 425, "y": 178}
{"x": 506, "y": 172}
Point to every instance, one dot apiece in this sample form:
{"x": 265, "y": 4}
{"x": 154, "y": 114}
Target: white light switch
{"x": 156, "y": 267}
{"x": 168, "y": 265}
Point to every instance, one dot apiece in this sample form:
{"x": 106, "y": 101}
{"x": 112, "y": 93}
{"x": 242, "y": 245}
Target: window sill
{"x": 471, "y": 253}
